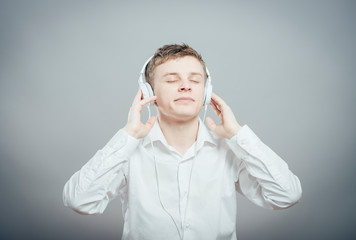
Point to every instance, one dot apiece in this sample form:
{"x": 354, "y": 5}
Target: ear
{"x": 155, "y": 101}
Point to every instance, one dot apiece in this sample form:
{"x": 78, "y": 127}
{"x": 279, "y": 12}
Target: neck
{"x": 179, "y": 134}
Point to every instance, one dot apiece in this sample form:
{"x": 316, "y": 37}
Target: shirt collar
{"x": 204, "y": 135}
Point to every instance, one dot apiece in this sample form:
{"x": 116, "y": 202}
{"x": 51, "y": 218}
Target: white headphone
{"x": 148, "y": 92}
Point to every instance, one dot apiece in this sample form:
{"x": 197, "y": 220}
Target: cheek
{"x": 163, "y": 92}
{"x": 201, "y": 93}
{"x": 162, "y": 98}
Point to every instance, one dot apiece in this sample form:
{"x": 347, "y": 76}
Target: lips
{"x": 184, "y": 98}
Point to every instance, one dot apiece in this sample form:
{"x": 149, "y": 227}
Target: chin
{"x": 182, "y": 112}
{"x": 186, "y": 115}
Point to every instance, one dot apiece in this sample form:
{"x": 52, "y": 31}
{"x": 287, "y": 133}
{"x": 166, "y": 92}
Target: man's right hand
{"x": 134, "y": 126}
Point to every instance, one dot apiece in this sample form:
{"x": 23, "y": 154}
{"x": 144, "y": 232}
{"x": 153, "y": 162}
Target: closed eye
{"x": 195, "y": 81}
{"x": 172, "y": 80}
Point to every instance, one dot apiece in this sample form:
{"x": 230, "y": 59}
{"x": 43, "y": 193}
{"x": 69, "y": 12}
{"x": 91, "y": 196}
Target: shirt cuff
{"x": 245, "y": 137}
{"x": 122, "y": 141}
{"x": 242, "y": 141}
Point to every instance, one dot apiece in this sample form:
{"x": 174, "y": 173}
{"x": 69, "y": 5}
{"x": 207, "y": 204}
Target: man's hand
{"x": 134, "y": 126}
{"x": 229, "y": 126}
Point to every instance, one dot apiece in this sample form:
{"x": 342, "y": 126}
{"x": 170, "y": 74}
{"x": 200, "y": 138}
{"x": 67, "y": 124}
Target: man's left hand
{"x": 228, "y": 126}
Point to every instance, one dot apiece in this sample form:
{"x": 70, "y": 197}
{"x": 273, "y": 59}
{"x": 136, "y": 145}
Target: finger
{"x": 213, "y": 106}
{"x": 149, "y": 124}
{"x": 219, "y": 101}
{"x": 215, "y": 109}
{"x": 211, "y": 123}
{"x": 136, "y": 109}
{"x": 147, "y": 100}
{"x": 216, "y": 105}
{"x": 137, "y": 98}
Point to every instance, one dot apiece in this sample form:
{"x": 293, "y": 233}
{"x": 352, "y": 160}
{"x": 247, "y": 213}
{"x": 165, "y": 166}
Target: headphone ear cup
{"x": 150, "y": 92}
{"x": 146, "y": 90}
{"x": 149, "y": 89}
{"x": 207, "y": 94}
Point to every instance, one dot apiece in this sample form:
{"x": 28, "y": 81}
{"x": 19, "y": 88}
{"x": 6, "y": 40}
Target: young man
{"x": 176, "y": 178}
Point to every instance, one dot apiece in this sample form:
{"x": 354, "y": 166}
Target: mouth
{"x": 184, "y": 99}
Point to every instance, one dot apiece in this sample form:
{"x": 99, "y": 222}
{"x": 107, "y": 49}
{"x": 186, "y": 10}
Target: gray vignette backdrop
{"x": 69, "y": 71}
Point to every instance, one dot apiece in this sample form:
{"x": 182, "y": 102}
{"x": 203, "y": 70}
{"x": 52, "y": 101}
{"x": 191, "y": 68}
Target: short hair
{"x": 168, "y": 52}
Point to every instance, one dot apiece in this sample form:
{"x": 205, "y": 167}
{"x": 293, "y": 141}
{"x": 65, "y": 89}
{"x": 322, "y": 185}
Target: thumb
{"x": 211, "y": 123}
{"x": 149, "y": 124}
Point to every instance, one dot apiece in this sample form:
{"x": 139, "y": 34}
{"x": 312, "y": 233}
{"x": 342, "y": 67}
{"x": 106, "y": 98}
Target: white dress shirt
{"x": 205, "y": 208}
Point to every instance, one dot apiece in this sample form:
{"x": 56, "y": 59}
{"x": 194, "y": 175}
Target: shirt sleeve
{"x": 262, "y": 176}
{"x": 102, "y": 178}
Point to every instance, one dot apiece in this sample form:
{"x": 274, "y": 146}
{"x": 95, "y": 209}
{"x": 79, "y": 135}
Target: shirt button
{"x": 121, "y": 142}
{"x": 187, "y": 225}
{"x": 243, "y": 142}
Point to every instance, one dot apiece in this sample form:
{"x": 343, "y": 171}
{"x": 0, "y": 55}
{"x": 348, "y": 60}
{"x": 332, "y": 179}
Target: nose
{"x": 185, "y": 86}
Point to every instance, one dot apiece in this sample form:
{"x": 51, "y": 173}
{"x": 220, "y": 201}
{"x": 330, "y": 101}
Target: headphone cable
{"x": 190, "y": 177}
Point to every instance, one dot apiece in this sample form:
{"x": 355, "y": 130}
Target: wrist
{"x": 234, "y": 131}
{"x": 130, "y": 132}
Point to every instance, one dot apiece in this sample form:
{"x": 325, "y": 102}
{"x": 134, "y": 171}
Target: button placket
{"x": 184, "y": 179}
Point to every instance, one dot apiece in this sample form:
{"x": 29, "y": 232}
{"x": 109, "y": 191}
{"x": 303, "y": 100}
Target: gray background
{"x": 69, "y": 73}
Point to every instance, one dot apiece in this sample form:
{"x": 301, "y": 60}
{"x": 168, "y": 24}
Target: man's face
{"x": 179, "y": 87}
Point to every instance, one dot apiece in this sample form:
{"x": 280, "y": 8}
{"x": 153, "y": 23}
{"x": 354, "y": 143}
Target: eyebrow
{"x": 168, "y": 74}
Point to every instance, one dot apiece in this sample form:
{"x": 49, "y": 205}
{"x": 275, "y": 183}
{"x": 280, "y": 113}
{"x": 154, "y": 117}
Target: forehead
{"x": 181, "y": 65}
